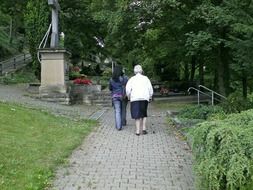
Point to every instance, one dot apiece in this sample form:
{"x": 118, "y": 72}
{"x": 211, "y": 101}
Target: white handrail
{"x": 199, "y": 91}
{"x": 213, "y": 92}
{"x": 201, "y": 86}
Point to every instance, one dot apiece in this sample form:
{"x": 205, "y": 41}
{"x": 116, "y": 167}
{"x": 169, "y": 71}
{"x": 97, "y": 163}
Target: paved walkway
{"x": 118, "y": 160}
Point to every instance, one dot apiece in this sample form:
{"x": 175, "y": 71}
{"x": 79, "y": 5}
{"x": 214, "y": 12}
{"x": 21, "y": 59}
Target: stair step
{"x": 186, "y": 98}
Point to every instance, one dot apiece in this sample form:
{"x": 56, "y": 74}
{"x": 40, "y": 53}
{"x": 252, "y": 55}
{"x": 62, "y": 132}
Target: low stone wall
{"x": 76, "y": 94}
{"x": 80, "y": 93}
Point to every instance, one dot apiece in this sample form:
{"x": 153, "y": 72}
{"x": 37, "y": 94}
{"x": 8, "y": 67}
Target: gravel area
{"x": 19, "y": 94}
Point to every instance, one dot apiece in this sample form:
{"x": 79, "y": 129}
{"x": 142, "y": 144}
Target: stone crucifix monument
{"x": 54, "y": 64}
{"x": 55, "y": 23}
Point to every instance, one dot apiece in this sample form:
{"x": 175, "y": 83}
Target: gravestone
{"x": 54, "y": 64}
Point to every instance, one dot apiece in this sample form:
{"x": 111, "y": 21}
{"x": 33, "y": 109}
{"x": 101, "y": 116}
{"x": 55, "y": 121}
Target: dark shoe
{"x": 119, "y": 129}
{"x": 144, "y": 132}
{"x": 138, "y": 134}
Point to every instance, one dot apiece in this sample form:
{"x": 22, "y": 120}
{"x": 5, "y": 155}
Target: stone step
{"x": 185, "y": 98}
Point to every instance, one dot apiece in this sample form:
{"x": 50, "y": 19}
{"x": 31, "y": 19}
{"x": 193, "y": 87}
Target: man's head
{"x": 138, "y": 69}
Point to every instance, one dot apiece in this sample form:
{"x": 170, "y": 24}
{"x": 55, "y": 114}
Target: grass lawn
{"x": 175, "y": 106}
{"x": 33, "y": 143}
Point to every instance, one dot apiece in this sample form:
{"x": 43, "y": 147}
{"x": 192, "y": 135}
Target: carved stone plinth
{"x": 54, "y": 75}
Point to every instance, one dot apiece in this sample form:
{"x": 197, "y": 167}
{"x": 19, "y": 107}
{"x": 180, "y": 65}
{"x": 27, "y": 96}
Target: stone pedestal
{"x": 54, "y": 75}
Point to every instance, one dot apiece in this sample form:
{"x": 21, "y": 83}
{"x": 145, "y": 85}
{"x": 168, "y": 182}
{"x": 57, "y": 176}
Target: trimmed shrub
{"x": 236, "y": 103}
{"x": 223, "y": 151}
{"x": 199, "y": 111}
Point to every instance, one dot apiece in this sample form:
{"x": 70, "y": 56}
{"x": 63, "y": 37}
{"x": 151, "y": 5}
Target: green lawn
{"x": 175, "y": 106}
{"x": 33, "y": 143}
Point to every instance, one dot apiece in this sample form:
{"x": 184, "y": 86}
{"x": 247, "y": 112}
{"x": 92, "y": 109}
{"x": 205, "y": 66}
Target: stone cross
{"x": 55, "y": 22}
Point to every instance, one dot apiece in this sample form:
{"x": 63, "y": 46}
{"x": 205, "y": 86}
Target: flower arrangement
{"x": 82, "y": 80}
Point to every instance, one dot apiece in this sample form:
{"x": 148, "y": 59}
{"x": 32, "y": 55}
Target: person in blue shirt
{"x": 117, "y": 92}
{"x": 124, "y": 79}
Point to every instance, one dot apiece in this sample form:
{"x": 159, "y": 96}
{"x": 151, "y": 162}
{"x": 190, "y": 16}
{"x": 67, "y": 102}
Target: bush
{"x": 236, "y": 103}
{"x": 73, "y": 75}
{"x": 223, "y": 151}
{"x": 104, "y": 79}
{"x": 22, "y": 76}
{"x": 199, "y": 111}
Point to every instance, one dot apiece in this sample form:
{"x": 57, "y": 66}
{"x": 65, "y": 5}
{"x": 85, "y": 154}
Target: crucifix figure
{"x": 55, "y": 22}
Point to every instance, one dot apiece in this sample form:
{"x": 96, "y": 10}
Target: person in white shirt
{"x": 139, "y": 91}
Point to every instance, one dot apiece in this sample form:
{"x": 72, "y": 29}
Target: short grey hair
{"x": 137, "y": 69}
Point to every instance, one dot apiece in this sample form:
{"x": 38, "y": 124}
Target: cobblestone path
{"x": 120, "y": 160}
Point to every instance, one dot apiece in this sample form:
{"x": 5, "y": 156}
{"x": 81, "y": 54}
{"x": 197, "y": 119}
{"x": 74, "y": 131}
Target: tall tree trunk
{"x": 193, "y": 67}
{"x": 225, "y": 62}
{"x": 186, "y": 72}
{"x": 223, "y": 65}
{"x": 11, "y": 31}
{"x": 215, "y": 79}
{"x": 201, "y": 72}
{"x": 244, "y": 85}
{"x": 223, "y": 70}
{"x": 220, "y": 73}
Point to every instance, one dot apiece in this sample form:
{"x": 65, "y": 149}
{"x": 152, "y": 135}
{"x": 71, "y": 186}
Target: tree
{"x": 14, "y": 9}
{"x": 241, "y": 41}
{"x": 79, "y": 28}
{"x": 36, "y": 24}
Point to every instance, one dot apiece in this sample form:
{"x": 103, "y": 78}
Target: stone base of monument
{"x": 55, "y": 93}
{"x": 54, "y": 75}
{"x": 80, "y": 93}
{"x": 90, "y": 94}
{"x": 33, "y": 88}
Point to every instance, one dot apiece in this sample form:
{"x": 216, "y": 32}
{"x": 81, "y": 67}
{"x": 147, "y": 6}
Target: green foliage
{"x": 36, "y": 24}
{"x": 223, "y": 151}
{"x": 104, "y": 79}
{"x": 79, "y": 28}
{"x": 201, "y": 42}
{"x": 14, "y": 45}
{"x": 199, "y": 111}
{"x": 73, "y": 75}
{"x": 236, "y": 103}
{"x": 33, "y": 146}
{"x": 25, "y": 75}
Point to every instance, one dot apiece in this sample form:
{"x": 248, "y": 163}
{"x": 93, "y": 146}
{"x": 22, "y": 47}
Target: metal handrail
{"x": 14, "y": 63}
{"x": 213, "y": 93}
{"x": 201, "y": 86}
{"x": 199, "y": 91}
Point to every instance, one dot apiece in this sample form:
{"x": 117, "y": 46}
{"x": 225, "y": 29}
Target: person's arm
{"x": 150, "y": 89}
{"x": 128, "y": 88}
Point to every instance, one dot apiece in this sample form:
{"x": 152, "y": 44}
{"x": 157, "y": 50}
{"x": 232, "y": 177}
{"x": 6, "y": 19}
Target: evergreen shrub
{"x": 223, "y": 151}
{"x": 236, "y": 103}
{"x": 199, "y": 111}
{"x": 23, "y": 76}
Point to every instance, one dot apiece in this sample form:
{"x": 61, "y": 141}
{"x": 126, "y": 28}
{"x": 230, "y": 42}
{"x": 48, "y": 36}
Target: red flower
{"x": 82, "y": 81}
